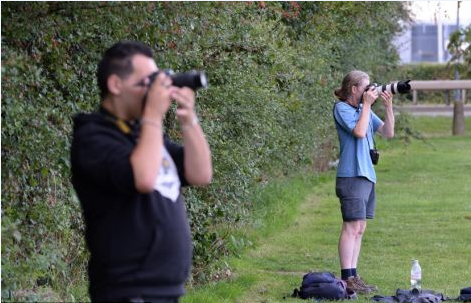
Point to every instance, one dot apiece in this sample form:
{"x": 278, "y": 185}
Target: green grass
{"x": 423, "y": 211}
{"x": 437, "y": 126}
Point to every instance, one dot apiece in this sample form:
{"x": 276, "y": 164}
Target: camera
{"x": 374, "y": 154}
{"x": 192, "y": 79}
{"x": 401, "y": 87}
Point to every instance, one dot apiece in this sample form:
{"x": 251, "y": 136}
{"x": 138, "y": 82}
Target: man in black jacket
{"x": 128, "y": 175}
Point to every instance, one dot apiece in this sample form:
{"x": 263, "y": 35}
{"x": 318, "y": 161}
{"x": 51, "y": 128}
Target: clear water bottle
{"x": 416, "y": 275}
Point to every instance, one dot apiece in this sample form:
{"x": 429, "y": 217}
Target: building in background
{"x": 425, "y": 43}
{"x": 427, "y": 38}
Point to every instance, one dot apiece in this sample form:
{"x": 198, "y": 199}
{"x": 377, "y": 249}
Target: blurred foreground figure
{"x": 128, "y": 174}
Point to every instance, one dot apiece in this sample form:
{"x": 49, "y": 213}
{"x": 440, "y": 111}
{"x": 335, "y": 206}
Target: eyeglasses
{"x": 150, "y": 78}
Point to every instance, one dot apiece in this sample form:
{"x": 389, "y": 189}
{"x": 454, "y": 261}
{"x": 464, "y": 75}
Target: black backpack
{"x": 465, "y": 295}
{"x": 323, "y": 285}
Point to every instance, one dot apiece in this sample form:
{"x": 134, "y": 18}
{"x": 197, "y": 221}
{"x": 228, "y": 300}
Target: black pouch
{"x": 374, "y": 154}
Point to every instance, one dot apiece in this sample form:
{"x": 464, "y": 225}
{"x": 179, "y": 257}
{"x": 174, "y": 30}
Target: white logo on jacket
{"x": 168, "y": 182}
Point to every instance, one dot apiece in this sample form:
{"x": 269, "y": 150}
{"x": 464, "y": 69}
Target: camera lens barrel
{"x": 192, "y": 79}
{"x": 401, "y": 87}
{"x": 391, "y": 87}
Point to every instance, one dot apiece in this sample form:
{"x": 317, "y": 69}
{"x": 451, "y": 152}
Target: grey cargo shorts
{"x": 357, "y": 198}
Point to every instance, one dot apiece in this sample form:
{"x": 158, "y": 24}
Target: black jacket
{"x": 140, "y": 244}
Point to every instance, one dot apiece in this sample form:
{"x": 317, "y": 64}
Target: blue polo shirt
{"x": 355, "y": 157}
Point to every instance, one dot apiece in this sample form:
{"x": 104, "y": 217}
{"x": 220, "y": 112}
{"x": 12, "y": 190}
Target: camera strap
{"x": 372, "y": 136}
{"x": 122, "y": 125}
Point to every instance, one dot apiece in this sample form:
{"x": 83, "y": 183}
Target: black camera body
{"x": 192, "y": 79}
{"x": 374, "y": 154}
{"x": 401, "y": 87}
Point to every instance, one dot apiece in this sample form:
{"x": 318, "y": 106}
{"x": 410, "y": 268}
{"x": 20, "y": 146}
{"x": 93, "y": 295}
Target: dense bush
{"x": 272, "y": 67}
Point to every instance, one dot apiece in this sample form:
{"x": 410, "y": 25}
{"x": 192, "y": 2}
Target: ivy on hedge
{"x": 272, "y": 68}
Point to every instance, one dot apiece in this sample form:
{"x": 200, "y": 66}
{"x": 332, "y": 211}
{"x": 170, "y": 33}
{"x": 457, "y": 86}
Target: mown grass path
{"x": 423, "y": 211}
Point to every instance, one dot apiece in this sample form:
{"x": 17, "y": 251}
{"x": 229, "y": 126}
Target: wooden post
{"x": 458, "y": 119}
{"x": 414, "y": 97}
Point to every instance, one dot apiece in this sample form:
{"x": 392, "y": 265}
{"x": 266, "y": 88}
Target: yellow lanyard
{"x": 121, "y": 124}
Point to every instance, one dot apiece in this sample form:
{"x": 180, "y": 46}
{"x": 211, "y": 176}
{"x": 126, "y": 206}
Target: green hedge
{"x": 272, "y": 68}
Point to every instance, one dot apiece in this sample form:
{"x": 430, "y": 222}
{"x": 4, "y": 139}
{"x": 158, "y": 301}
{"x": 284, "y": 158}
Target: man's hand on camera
{"x": 159, "y": 96}
{"x": 387, "y": 98}
{"x": 370, "y": 96}
{"x": 185, "y": 98}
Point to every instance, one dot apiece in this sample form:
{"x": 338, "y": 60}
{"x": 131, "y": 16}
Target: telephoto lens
{"x": 401, "y": 87}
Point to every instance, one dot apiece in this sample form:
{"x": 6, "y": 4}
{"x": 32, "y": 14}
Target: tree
{"x": 459, "y": 47}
